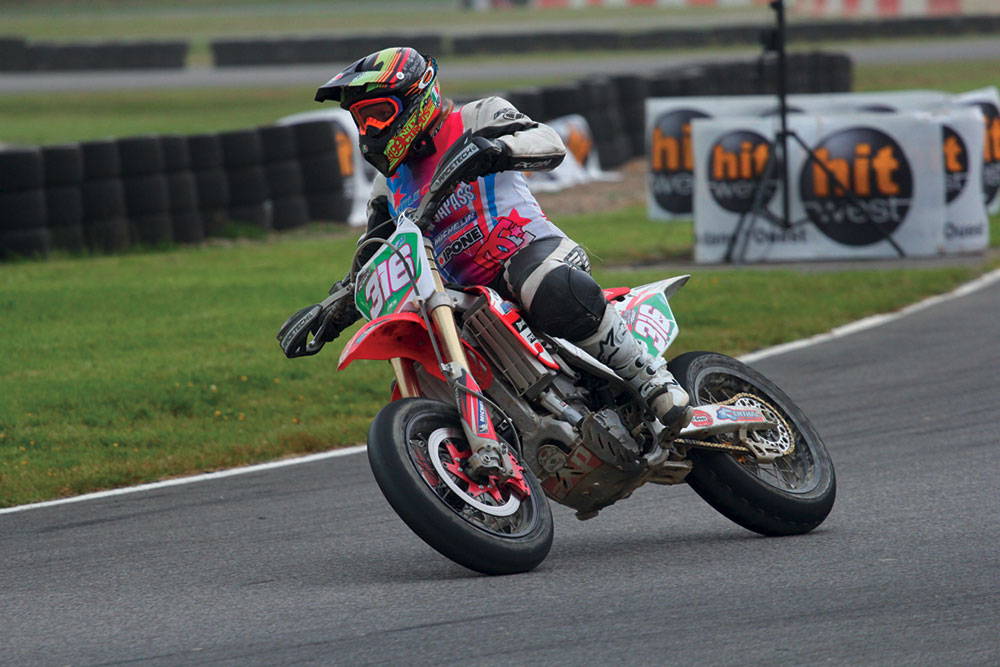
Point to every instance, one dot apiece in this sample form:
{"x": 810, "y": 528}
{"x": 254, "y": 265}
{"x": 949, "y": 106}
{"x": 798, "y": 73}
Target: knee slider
{"x": 568, "y": 303}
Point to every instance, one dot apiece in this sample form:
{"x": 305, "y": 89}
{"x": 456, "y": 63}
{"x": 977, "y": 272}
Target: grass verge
{"x": 125, "y": 369}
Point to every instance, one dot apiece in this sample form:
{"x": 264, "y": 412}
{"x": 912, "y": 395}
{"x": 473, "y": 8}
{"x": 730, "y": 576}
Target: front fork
{"x": 488, "y": 455}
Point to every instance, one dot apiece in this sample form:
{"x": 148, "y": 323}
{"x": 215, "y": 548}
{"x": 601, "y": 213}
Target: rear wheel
{"x": 789, "y": 496}
{"x": 416, "y": 449}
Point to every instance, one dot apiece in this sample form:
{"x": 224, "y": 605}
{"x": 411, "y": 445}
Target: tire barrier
{"x": 528, "y": 101}
{"x": 325, "y": 161}
{"x": 63, "y": 170}
{"x": 284, "y": 176}
{"x": 210, "y": 180}
{"x": 614, "y": 106}
{"x": 17, "y": 55}
{"x": 633, "y": 90}
{"x": 182, "y": 190}
{"x": 13, "y": 54}
{"x": 249, "y": 198}
{"x": 108, "y": 195}
{"x": 147, "y": 197}
{"x": 603, "y": 110}
{"x": 22, "y": 204}
{"x": 105, "y": 223}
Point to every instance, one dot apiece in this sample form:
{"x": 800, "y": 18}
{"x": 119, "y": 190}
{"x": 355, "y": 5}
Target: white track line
{"x": 839, "y": 332}
{"x": 875, "y": 320}
{"x": 232, "y": 472}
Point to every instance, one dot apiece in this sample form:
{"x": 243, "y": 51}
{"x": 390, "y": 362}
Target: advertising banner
{"x": 987, "y": 100}
{"x": 966, "y": 225}
{"x": 670, "y": 188}
{"x": 668, "y": 131}
{"x": 894, "y": 200}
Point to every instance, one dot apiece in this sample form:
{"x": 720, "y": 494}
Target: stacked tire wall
{"x": 63, "y": 171}
{"x": 211, "y": 183}
{"x": 327, "y": 188}
{"x": 614, "y": 105}
{"x": 22, "y": 204}
{"x": 110, "y": 195}
{"x": 283, "y": 173}
{"x": 249, "y": 196}
{"x": 105, "y": 222}
{"x": 19, "y": 55}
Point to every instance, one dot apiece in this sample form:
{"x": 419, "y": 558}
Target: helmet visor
{"x": 374, "y": 115}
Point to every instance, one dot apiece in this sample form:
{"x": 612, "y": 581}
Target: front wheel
{"x": 789, "y": 496}
{"x": 416, "y": 448}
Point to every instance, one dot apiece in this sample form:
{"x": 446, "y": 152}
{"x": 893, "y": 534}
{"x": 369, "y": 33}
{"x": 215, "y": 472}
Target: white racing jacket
{"x": 484, "y": 222}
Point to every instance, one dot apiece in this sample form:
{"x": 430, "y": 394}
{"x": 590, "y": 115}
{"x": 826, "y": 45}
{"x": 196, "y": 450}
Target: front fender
{"x": 405, "y": 335}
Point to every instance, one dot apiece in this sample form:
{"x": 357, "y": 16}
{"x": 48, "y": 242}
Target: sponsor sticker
{"x": 700, "y": 418}
{"x": 482, "y": 418}
{"x": 737, "y": 415}
{"x": 508, "y": 113}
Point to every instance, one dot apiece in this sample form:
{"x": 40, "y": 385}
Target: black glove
{"x": 336, "y": 317}
{"x": 493, "y": 156}
{"x": 324, "y": 324}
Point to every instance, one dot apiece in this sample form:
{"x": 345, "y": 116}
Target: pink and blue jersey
{"x": 482, "y": 224}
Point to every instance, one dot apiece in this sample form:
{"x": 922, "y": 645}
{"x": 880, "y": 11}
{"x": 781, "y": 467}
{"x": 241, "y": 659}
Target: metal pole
{"x": 779, "y": 7}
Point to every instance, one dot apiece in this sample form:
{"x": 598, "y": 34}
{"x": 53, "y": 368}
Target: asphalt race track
{"x": 307, "y": 564}
{"x": 925, "y": 51}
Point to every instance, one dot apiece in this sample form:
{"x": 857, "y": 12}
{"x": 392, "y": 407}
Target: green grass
{"x": 954, "y": 77}
{"x": 123, "y": 369}
{"x": 46, "y": 118}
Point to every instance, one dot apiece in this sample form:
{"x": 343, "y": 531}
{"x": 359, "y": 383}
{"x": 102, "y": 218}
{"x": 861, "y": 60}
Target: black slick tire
{"x": 731, "y": 487}
{"x": 435, "y": 522}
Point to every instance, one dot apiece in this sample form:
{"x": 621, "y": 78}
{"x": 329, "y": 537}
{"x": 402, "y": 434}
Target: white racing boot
{"x": 615, "y": 346}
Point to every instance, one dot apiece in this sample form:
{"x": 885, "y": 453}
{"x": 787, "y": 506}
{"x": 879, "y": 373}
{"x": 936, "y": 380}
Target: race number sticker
{"x": 386, "y": 283}
{"x": 652, "y": 323}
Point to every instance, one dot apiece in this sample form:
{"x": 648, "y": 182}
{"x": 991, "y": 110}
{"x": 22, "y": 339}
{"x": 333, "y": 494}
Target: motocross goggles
{"x": 374, "y": 115}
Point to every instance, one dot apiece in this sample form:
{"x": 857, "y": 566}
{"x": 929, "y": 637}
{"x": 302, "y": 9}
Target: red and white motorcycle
{"x": 472, "y": 374}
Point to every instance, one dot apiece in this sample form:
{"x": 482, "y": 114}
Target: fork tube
{"x": 443, "y": 317}
{"x": 406, "y": 377}
{"x": 475, "y": 417}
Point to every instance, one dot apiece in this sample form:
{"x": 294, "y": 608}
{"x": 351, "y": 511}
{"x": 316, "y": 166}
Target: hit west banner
{"x": 892, "y": 164}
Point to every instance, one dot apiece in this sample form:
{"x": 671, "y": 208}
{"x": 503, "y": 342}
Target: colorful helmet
{"x": 394, "y": 97}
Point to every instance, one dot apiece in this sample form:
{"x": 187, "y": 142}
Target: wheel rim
{"x": 441, "y": 442}
{"x": 437, "y": 456}
{"x": 796, "y": 472}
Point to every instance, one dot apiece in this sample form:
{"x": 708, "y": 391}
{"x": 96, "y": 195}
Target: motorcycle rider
{"x": 491, "y": 231}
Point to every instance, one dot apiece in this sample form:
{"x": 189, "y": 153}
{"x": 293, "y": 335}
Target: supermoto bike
{"x": 472, "y": 376}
